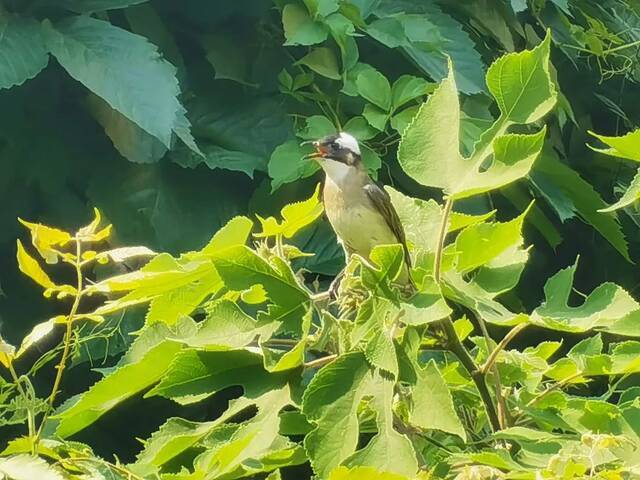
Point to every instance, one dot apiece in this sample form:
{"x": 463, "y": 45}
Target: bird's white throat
{"x": 337, "y": 171}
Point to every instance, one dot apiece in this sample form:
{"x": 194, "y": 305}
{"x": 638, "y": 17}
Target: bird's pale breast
{"x": 357, "y": 223}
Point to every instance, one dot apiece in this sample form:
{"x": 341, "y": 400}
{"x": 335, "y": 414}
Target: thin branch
{"x": 453, "y": 343}
{"x": 553, "y": 388}
{"x": 118, "y": 468}
{"x": 503, "y": 413}
{"x": 67, "y": 342}
{"x": 442, "y": 233}
{"x": 456, "y": 347}
{"x": 30, "y": 416}
{"x": 321, "y": 362}
{"x": 501, "y": 346}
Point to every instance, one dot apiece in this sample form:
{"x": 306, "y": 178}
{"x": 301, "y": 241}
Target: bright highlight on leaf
{"x": 32, "y": 269}
{"x": 429, "y": 150}
{"x": 627, "y": 147}
{"x": 295, "y": 216}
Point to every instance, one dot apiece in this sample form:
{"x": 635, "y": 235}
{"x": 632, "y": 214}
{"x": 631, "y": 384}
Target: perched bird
{"x": 359, "y": 210}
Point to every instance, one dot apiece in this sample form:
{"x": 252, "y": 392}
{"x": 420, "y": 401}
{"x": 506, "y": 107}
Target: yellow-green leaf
{"x": 38, "y": 332}
{"x": 7, "y": 353}
{"x": 295, "y": 217}
{"x": 31, "y": 268}
{"x": 44, "y": 238}
{"x": 626, "y": 146}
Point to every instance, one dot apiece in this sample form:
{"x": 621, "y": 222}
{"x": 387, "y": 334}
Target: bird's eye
{"x": 334, "y": 145}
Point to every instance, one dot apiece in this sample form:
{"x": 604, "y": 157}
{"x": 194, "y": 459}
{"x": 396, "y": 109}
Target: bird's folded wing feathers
{"x": 382, "y": 202}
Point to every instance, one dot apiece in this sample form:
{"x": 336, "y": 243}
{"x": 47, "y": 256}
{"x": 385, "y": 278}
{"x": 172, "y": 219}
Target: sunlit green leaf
{"x": 432, "y": 403}
{"x": 608, "y": 307}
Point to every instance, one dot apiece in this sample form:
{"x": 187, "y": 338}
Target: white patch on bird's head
{"x": 336, "y": 171}
{"x": 348, "y": 142}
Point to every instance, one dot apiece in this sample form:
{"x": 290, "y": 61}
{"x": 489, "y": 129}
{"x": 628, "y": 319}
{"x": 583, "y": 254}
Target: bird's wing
{"x": 382, "y": 201}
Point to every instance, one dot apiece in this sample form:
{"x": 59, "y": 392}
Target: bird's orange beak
{"x": 320, "y": 152}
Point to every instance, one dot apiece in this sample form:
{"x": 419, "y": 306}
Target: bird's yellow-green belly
{"x": 360, "y": 228}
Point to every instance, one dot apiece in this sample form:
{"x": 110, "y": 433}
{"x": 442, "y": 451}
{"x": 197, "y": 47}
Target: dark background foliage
{"x": 57, "y": 162}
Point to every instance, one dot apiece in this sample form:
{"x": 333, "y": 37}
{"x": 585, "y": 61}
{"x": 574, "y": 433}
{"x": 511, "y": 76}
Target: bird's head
{"x": 337, "y": 154}
{"x": 340, "y": 147}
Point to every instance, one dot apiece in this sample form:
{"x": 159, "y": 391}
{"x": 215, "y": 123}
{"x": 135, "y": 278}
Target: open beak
{"x": 319, "y": 153}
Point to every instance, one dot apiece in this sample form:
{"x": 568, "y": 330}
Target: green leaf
{"x": 195, "y": 375}
{"x": 45, "y": 238}
{"x": 128, "y": 138}
{"x": 359, "y": 128}
{"x": 374, "y": 87}
{"x": 300, "y": 28}
{"x": 388, "y": 450}
{"x": 295, "y": 216}
{"x": 31, "y": 268}
{"x": 373, "y": 327}
{"x": 521, "y": 84}
{"x": 514, "y": 155}
{"x": 235, "y": 232}
{"x": 389, "y": 31}
{"x": 241, "y": 268}
{"x": 607, "y": 308}
{"x": 363, "y": 473}
{"x": 429, "y": 149}
{"x": 7, "y": 353}
{"x": 580, "y": 196}
{"x": 377, "y": 118}
{"x": 287, "y": 163}
{"x": 177, "y": 435}
{"x": 473, "y": 296}
{"x": 92, "y": 6}
{"x": 140, "y": 368}
{"x": 434, "y": 37}
{"x": 316, "y": 126}
{"x": 144, "y": 89}
{"x": 386, "y": 265}
{"x": 22, "y": 49}
{"x": 254, "y": 446}
{"x": 331, "y": 403}
{"x": 323, "y": 61}
{"x": 626, "y": 146}
{"x": 407, "y": 88}
{"x": 420, "y": 219}
{"x": 432, "y": 406}
{"x": 321, "y": 8}
{"x": 631, "y": 195}
{"x": 225, "y": 327}
{"x": 169, "y": 307}
{"x": 27, "y": 467}
{"x": 402, "y": 120}
{"x": 478, "y": 244}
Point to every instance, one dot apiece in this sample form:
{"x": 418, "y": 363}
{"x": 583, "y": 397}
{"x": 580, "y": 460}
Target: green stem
{"x": 442, "y": 234}
{"x": 320, "y": 362}
{"x": 501, "y": 346}
{"x": 621, "y": 47}
{"x": 456, "y": 347}
{"x": 553, "y": 388}
{"x": 66, "y": 341}
{"x": 30, "y": 418}
{"x": 453, "y": 343}
{"x": 122, "y": 470}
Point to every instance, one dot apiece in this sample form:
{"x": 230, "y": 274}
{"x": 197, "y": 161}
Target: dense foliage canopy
{"x": 186, "y": 332}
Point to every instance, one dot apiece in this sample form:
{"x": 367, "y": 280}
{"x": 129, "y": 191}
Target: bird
{"x": 359, "y": 209}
